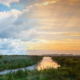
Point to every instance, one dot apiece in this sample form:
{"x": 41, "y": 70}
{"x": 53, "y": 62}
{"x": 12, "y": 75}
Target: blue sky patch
{"x": 17, "y": 6}
{"x": 4, "y": 8}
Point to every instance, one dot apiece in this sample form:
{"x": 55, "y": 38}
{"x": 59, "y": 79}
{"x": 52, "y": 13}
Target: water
{"x": 7, "y": 71}
{"x": 46, "y": 62}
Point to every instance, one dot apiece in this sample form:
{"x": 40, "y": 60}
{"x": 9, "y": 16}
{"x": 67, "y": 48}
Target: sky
{"x": 39, "y": 27}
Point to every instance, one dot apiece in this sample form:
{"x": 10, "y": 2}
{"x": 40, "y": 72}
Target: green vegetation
{"x": 17, "y": 61}
{"x": 68, "y": 61}
{"x": 1, "y": 56}
{"x": 69, "y": 70}
{"x": 70, "y": 65}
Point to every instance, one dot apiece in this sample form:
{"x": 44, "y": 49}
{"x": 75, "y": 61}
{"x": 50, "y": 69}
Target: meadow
{"x": 69, "y": 70}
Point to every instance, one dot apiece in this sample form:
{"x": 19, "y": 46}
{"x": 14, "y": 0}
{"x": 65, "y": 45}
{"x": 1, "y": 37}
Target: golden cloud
{"x": 48, "y": 2}
{"x": 56, "y": 45}
{"x": 61, "y": 33}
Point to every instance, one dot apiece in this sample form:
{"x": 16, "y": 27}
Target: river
{"x": 45, "y": 63}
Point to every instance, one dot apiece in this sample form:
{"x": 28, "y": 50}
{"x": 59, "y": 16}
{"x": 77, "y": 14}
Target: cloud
{"x": 7, "y": 2}
{"x": 49, "y": 2}
{"x": 23, "y": 31}
{"x": 65, "y": 16}
{"x": 61, "y": 33}
{"x": 72, "y": 34}
{"x": 11, "y": 46}
{"x": 38, "y": 22}
{"x": 63, "y": 45}
{"x": 13, "y": 13}
{"x": 36, "y": 18}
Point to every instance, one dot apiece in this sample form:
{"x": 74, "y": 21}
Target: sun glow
{"x": 46, "y": 3}
{"x": 55, "y": 45}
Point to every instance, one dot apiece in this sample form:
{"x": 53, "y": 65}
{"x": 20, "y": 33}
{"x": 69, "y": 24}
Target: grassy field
{"x": 69, "y": 70}
{"x": 17, "y": 61}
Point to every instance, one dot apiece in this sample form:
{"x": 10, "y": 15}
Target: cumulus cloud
{"x": 8, "y": 30}
{"x": 13, "y": 13}
{"x": 7, "y": 2}
{"x": 11, "y": 46}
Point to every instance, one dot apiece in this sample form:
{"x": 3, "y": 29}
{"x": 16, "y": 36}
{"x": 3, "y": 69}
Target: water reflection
{"x": 47, "y": 62}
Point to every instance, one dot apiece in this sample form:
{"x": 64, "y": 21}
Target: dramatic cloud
{"x": 64, "y": 16}
{"x": 42, "y": 23}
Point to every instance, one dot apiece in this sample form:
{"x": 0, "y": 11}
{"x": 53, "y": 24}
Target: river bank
{"x": 8, "y": 62}
{"x": 45, "y": 63}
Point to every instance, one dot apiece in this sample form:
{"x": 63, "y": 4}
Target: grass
{"x": 49, "y": 74}
{"x": 69, "y": 70}
{"x": 13, "y": 62}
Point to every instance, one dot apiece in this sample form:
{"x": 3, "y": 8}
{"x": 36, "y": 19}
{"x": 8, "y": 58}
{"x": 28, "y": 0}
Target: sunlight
{"x": 46, "y": 3}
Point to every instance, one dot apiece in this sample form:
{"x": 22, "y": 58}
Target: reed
{"x": 17, "y": 61}
{"x": 69, "y": 70}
